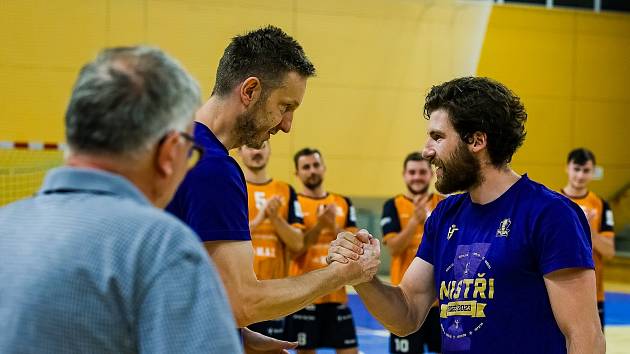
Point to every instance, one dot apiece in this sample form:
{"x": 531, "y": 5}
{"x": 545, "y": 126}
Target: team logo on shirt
{"x": 465, "y": 293}
{"x": 451, "y": 231}
{"x": 504, "y": 228}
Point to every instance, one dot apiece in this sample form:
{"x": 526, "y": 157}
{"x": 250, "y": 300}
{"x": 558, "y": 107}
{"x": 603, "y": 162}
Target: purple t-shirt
{"x": 212, "y": 199}
{"x": 489, "y": 261}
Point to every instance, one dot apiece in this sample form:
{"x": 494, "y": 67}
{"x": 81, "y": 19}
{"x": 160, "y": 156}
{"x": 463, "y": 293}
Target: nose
{"x": 287, "y": 120}
{"x": 428, "y": 152}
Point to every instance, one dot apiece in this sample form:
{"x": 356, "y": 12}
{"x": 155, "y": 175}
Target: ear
{"x": 167, "y": 155}
{"x": 250, "y": 91}
{"x": 479, "y": 141}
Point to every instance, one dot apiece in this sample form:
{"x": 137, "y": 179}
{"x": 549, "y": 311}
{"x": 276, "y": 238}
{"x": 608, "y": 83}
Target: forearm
{"x": 398, "y": 243}
{"x": 604, "y": 245}
{"x": 291, "y": 236}
{"x": 310, "y": 237}
{"x": 392, "y": 308}
{"x": 587, "y": 343}
{"x": 274, "y": 298}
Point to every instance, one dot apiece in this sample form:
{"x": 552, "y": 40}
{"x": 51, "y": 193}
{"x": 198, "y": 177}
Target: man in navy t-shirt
{"x": 508, "y": 260}
{"x": 261, "y": 80}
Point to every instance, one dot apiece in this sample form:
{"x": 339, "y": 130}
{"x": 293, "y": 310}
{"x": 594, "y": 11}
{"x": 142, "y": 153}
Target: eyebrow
{"x": 435, "y": 131}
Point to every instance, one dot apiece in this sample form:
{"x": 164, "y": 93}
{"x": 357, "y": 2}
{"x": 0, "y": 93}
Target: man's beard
{"x": 313, "y": 182}
{"x": 460, "y": 172}
{"x": 248, "y": 128}
{"x": 416, "y": 192}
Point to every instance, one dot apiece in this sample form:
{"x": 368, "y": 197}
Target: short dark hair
{"x": 479, "y": 104}
{"x": 414, "y": 156}
{"x": 266, "y": 53}
{"x": 581, "y": 156}
{"x": 305, "y": 152}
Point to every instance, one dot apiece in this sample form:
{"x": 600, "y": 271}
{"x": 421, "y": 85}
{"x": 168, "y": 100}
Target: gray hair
{"x": 127, "y": 99}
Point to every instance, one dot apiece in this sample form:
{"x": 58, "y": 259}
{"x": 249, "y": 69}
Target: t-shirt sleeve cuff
{"x": 566, "y": 264}
{"x": 224, "y": 235}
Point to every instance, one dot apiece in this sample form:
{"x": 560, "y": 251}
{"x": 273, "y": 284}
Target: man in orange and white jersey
{"x": 275, "y": 222}
{"x": 580, "y": 169}
{"x": 328, "y": 322}
{"x": 403, "y": 225}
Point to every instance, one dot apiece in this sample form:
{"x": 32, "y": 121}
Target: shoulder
{"x": 544, "y": 203}
{"x": 342, "y": 199}
{"x": 391, "y": 202}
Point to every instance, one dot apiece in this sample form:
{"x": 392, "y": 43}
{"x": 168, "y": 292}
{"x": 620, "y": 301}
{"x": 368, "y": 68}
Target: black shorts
{"x": 322, "y": 326}
{"x": 600, "y": 310}
{"x": 273, "y": 328}
{"x": 429, "y": 334}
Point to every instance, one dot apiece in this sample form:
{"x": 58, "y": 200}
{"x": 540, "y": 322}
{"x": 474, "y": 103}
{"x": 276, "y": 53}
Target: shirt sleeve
{"x": 184, "y": 308}
{"x": 426, "y": 249}
{"x": 296, "y": 217}
{"x": 351, "y": 216}
{"x": 212, "y": 200}
{"x": 390, "y": 222}
{"x": 608, "y": 224}
{"x": 562, "y": 237}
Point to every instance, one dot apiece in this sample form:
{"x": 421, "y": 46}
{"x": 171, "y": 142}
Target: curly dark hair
{"x": 266, "y": 53}
{"x": 479, "y": 104}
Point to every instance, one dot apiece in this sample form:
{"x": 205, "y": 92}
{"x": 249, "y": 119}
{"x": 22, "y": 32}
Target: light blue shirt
{"x": 88, "y": 265}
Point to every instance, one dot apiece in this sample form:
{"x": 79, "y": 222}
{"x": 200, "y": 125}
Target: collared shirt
{"x": 212, "y": 199}
{"x": 89, "y": 266}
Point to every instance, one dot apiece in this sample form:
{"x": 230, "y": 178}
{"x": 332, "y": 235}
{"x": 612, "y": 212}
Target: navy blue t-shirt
{"x": 489, "y": 261}
{"x": 212, "y": 199}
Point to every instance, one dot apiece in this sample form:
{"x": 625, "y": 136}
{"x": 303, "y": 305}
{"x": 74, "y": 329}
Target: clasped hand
{"x": 358, "y": 254}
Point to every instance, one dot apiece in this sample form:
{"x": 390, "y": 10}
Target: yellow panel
{"x": 392, "y": 52}
{"x": 603, "y": 128}
{"x": 127, "y": 22}
{"x": 197, "y": 32}
{"x": 548, "y": 131}
{"x": 532, "y": 19}
{"x": 51, "y": 34}
{"x": 360, "y": 122}
{"x": 604, "y": 24}
{"x": 34, "y": 109}
{"x": 362, "y": 177}
{"x": 603, "y": 67}
{"x": 530, "y": 63}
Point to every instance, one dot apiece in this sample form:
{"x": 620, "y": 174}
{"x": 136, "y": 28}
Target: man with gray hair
{"x": 91, "y": 264}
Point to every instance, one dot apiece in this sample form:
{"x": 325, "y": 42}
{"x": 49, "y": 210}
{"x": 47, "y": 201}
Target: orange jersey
{"x": 270, "y": 256}
{"x": 315, "y": 257}
{"x": 396, "y": 214}
{"x": 600, "y": 218}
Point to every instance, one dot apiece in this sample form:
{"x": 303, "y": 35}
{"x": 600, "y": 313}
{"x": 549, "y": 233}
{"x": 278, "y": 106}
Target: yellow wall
{"x": 376, "y": 60}
{"x": 571, "y": 68}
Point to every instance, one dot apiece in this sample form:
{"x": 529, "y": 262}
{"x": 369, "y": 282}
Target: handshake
{"x": 357, "y": 256}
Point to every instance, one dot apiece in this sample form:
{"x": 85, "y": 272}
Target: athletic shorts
{"x": 322, "y": 326}
{"x": 273, "y": 328}
{"x": 429, "y": 334}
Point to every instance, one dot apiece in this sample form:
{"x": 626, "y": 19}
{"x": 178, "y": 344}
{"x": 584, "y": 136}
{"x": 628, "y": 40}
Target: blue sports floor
{"x": 373, "y": 339}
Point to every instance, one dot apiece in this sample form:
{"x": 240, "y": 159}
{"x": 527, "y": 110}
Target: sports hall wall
{"x": 376, "y": 59}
